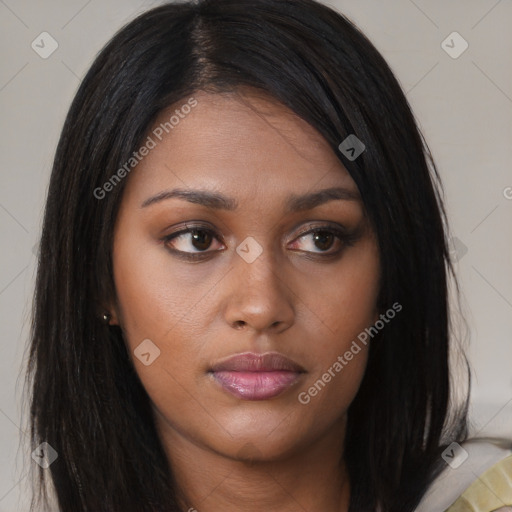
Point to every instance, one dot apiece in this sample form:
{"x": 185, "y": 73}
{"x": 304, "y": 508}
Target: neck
{"x": 313, "y": 477}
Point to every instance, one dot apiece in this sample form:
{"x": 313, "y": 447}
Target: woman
{"x": 241, "y": 301}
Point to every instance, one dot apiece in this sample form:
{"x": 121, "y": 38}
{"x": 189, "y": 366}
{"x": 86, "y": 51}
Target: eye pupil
{"x": 324, "y": 238}
{"x": 201, "y": 239}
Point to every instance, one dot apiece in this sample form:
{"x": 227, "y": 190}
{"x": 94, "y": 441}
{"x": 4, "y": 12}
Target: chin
{"x": 259, "y": 447}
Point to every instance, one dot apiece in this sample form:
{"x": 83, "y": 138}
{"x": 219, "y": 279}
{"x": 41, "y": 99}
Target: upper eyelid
{"x": 324, "y": 226}
{"x": 199, "y": 227}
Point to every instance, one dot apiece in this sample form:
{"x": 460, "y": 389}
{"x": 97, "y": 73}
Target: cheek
{"x": 345, "y": 302}
{"x": 153, "y": 305}
{"x": 341, "y": 309}
{"x": 154, "y": 293}
{"x": 334, "y": 385}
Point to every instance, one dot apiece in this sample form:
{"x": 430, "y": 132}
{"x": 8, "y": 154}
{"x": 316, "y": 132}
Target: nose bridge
{"x": 256, "y": 264}
{"x": 259, "y": 295}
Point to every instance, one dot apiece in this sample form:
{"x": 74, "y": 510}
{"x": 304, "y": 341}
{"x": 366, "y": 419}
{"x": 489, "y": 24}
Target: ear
{"x": 110, "y": 309}
{"x": 114, "y": 320}
{"x": 114, "y": 315}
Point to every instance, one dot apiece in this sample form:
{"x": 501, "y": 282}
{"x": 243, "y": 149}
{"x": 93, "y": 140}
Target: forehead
{"x": 244, "y": 143}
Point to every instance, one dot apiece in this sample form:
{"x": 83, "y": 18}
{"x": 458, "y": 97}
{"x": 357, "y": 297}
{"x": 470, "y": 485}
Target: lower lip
{"x": 256, "y": 385}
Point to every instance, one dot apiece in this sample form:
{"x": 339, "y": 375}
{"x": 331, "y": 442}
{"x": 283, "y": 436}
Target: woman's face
{"x": 253, "y": 278}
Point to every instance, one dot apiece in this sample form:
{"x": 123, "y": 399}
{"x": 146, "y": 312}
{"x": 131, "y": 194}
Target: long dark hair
{"x": 86, "y": 399}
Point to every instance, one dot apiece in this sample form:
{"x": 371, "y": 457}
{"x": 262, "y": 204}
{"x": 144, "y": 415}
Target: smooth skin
{"x": 228, "y": 453}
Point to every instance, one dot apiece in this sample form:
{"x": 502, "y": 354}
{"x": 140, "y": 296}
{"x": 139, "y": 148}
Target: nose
{"x": 258, "y": 296}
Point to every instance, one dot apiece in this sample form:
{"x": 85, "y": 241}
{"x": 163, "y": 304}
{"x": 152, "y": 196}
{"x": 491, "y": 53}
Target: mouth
{"x": 252, "y": 376}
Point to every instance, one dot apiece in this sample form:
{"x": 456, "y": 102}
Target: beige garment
{"x": 491, "y": 492}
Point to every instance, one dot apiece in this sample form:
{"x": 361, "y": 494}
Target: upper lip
{"x": 251, "y": 362}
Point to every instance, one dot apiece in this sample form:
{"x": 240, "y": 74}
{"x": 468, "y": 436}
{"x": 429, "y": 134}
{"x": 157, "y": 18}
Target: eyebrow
{"x": 219, "y": 201}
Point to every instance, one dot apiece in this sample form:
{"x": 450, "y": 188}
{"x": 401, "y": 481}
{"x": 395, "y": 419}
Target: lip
{"x": 252, "y": 376}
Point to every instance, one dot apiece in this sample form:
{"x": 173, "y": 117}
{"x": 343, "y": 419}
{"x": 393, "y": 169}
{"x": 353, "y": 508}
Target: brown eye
{"x": 201, "y": 239}
{"x": 323, "y": 240}
{"x": 190, "y": 241}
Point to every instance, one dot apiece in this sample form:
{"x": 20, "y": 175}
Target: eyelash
{"x": 347, "y": 240}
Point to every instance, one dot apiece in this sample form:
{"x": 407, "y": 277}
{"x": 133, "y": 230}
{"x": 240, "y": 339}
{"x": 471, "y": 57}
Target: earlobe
{"x": 110, "y": 318}
{"x": 108, "y": 315}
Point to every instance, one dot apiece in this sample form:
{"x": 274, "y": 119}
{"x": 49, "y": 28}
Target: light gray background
{"x": 463, "y": 106}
